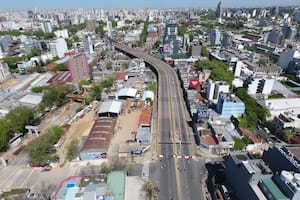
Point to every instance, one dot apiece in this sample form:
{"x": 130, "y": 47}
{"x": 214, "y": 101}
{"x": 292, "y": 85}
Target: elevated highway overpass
{"x": 179, "y": 177}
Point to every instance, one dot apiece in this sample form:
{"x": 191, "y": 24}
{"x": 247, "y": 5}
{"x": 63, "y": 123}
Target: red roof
{"x": 60, "y": 78}
{"x": 122, "y": 76}
{"x": 245, "y": 132}
{"x": 145, "y": 118}
{"x": 206, "y": 132}
{"x": 100, "y": 135}
{"x": 207, "y": 139}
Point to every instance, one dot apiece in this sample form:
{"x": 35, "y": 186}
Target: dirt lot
{"x": 60, "y": 116}
{"x": 79, "y": 128}
{"x": 126, "y": 124}
{"x": 9, "y": 83}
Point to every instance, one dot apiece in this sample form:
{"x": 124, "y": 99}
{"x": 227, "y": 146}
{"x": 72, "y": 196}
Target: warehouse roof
{"x": 127, "y": 92}
{"x": 111, "y": 107}
{"x": 100, "y": 134}
{"x": 281, "y": 104}
{"x": 31, "y": 99}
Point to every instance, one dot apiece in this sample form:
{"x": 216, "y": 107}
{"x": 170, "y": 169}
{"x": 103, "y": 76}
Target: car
{"x": 266, "y": 130}
{"x": 46, "y": 168}
{"x": 36, "y": 165}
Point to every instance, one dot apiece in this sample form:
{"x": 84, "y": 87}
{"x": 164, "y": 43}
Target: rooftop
{"x": 281, "y": 104}
{"x": 100, "y": 134}
{"x": 145, "y": 118}
{"x": 143, "y": 134}
{"x": 127, "y": 92}
{"x": 111, "y": 107}
{"x": 31, "y": 99}
{"x": 207, "y": 139}
{"x": 116, "y": 184}
{"x": 295, "y": 151}
{"x": 245, "y": 132}
{"x": 272, "y": 187}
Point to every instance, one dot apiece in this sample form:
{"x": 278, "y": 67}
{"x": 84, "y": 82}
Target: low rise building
{"x": 4, "y": 71}
{"x": 282, "y": 105}
{"x": 98, "y": 141}
{"x": 283, "y": 158}
{"x": 110, "y": 109}
{"x": 229, "y": 104}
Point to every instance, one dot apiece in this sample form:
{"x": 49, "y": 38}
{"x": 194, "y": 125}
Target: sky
{"x": 113, "y": 4}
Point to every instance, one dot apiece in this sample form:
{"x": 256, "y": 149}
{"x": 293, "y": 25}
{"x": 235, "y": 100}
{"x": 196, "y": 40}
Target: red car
{"x": 36, "y": 165}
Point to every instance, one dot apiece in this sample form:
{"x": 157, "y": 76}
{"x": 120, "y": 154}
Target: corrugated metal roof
{"x": 31, "y": 99}
{"x": 127, "y": 92}
{"x": 100, "y": 135}
{"x": 111, "y": 107}
{"x": 143, "y": 134}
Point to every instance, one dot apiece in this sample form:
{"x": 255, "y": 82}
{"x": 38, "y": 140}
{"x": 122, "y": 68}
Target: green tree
{"x": 152, "y": 86}
{"x": 204, "y": 51}
{"x": 34, "y": 52}
{"x": 114, "y": 23}
{"x": 105, "y": 168}
{"x": 72, "y": 150}
{"x": 181, "y": 30}
{"x": 103, "y": 54}
{"x": 150, "y": 190}
{"x": 143, "y": 36}
{"x": 253, "y": 112}
{"x": 238, "y": 144}
{"x": 39, "y": 89}
{"x": 250, "y": 48}
{"x": 109, "y": 82}
{"x": 69, "y": 43}
{"x": 56, "y": 96}
{"x": 60, "y": 67}
{"x": 96, "y": 92}
{"x": 39, "y": 33}
{"x": 127, "y": 21}
{"x": 100, "y": 30}
{"x": 83, "y": 82}
{"x": 108, "y": 65}
{"x": 39, "y": 149}
{"x": 247, "y": 140}
{"x": 191, "y": 36}
{"x": 20, "y": 117}
{"x": 49, "y": 36}
{"x": 55, "y": 58}
{"x": 149, "y": 100}
{"x": 76, "y": 38}
{"x": 125, "y": 65}
{"x": 219, "y": 70}
{"x": 286, "y": 135}
{"x": 5, "y": 127}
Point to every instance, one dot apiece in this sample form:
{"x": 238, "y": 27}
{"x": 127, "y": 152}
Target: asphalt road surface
{"x": 179, "y": 178}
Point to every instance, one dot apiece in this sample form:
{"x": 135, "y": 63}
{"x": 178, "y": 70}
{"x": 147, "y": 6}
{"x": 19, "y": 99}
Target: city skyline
{"x": 119, "y": 4}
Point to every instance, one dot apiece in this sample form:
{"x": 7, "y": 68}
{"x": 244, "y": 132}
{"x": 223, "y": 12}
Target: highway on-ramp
{"x": 179, "y": 176}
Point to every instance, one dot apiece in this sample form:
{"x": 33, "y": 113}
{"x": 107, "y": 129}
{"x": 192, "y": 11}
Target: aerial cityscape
{"x": 146, "y": 100}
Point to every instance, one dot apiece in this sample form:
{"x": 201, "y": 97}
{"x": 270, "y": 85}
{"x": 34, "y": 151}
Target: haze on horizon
{"x": 114, "y": 4}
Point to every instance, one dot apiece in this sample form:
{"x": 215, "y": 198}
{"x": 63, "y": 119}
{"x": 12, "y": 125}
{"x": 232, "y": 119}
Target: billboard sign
{"x": 194, "y": 84}
{"x": 203, "y": 114}
{"x": 166, "y": 48}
